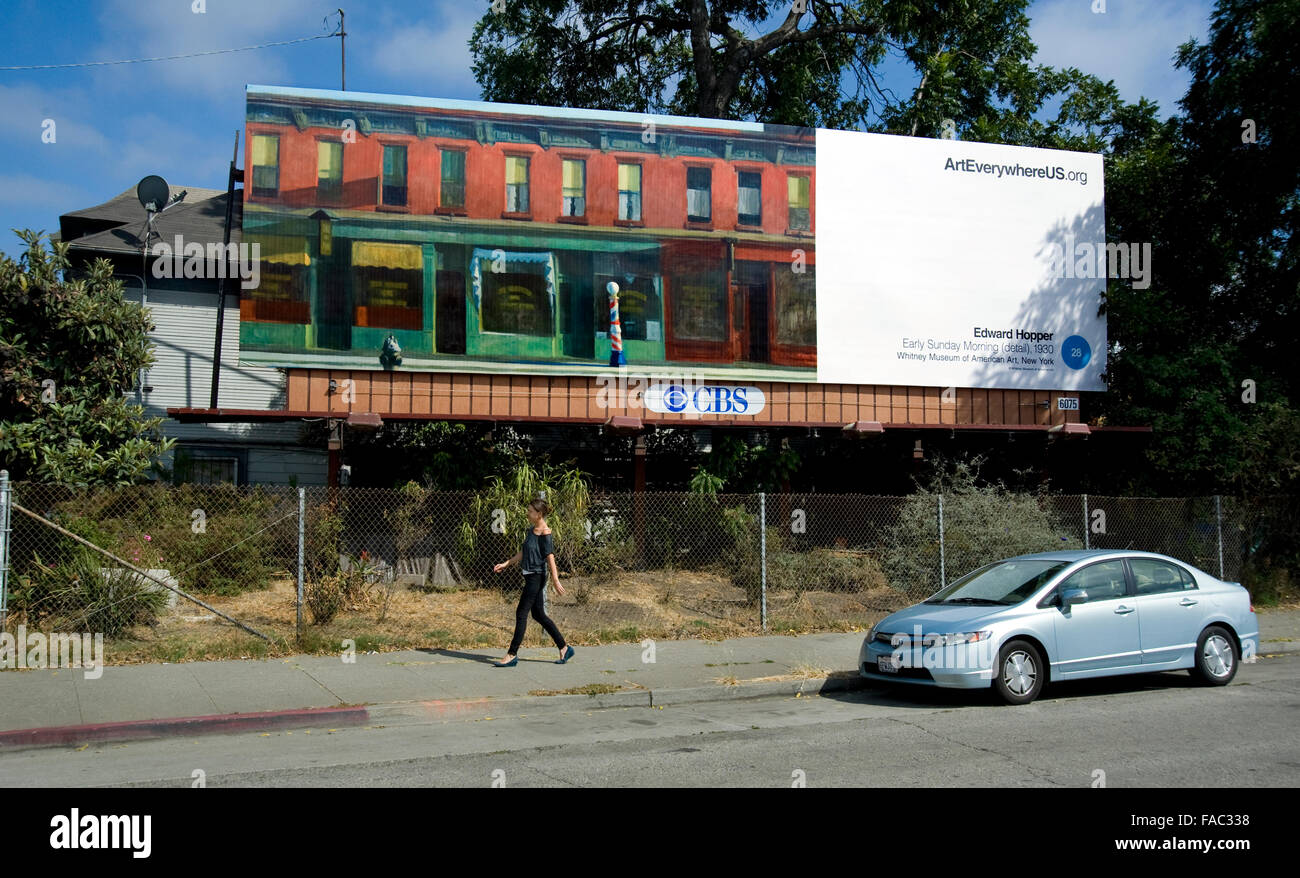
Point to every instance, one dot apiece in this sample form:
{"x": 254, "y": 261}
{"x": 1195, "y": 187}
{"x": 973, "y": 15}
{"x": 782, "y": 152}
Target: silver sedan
{"x": 1020, "y": 623}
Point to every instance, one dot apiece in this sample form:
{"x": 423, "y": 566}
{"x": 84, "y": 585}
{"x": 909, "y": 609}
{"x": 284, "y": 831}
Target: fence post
{"x": 1218, "y": 517}
{"x": 302, "y": 530}
{"x": 943, "y": 562}
{"x": 1086, "y": 544}
{"x": 4, "y": 547}
{"x": 762, "y": 556}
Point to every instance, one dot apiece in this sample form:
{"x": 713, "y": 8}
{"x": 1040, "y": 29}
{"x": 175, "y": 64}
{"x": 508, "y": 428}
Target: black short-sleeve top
{"x": 536, "y": 548}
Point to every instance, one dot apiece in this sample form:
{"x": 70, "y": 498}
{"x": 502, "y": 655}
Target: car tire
{"x": 1020, "y": 673}
{"x": 1217, "y": 657}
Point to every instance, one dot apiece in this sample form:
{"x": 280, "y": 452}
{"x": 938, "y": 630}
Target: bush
{"x": 324, "y": 598}
{"x": 80, "y": 594}
{"x": 975, "y": 528}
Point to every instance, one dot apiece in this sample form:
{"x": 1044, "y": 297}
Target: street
{"x": 1158, "y": 730}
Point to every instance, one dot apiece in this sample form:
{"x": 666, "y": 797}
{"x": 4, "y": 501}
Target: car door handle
{"x": 1123, "y": 610}
{"x": 1186, "y": 602}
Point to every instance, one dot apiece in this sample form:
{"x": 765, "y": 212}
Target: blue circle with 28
{"x": 1076, "y": 352}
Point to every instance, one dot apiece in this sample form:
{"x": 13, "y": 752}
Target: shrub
{"x": 80, "y": 594}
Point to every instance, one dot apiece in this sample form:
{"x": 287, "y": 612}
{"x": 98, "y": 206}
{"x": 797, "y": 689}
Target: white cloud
{"x": 130, "y": 29}
{"x": 24, "y": 109}
{"x": 26, "y": 190}
{"x": 1132, "y": 44}
{"x": 429, "y": 57}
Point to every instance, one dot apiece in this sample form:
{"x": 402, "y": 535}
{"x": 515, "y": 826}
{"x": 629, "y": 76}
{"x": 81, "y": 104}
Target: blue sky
{"x": 115, "y": 124}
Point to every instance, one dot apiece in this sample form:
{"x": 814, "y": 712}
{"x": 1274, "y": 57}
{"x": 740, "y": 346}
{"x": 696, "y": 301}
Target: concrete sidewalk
{"x": 62, "y": 707}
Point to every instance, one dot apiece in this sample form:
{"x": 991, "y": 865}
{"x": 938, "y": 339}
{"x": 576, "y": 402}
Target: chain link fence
{"x": 208, "y": 571}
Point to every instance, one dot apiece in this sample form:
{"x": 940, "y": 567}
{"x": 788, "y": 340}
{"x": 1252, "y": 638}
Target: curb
{"x": 137, "y": 730}
{"x": 412, "y": 712}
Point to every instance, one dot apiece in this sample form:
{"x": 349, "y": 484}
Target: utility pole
{"x": 343, "y": 54}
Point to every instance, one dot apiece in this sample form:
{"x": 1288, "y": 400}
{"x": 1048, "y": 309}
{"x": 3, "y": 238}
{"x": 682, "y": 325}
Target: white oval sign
{"x": 704, "y": 399}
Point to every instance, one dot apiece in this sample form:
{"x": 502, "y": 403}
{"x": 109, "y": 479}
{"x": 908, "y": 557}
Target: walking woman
{"x": 536, "y": 558}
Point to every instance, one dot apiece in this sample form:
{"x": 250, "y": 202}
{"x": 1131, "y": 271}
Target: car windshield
{"x": 1006, "y": 582}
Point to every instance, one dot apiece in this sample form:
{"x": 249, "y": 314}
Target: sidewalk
{"x": 62, "y": 707}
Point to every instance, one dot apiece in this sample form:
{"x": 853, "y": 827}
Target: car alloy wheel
{"x": 1019, "y": 673}
{"x": 1218, "y": 655}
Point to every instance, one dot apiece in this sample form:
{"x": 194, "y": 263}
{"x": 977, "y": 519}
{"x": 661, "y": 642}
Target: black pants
{"x": 531, "y": 600}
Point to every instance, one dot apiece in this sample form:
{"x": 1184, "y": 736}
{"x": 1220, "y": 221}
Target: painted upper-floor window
{"x": 574, "y": 191}
{"x": 392, "y": 190}
{"x": 699, "y": 195}
{"x": 451, "y": 193}
{"x": 516, "y": 184}
{"x": 329, "y": 170}
{"x": 750, "y": 198}
{"x": 629, "y": 192}
{"x": 800, "y": 198}
{"x": 266, "y": 165}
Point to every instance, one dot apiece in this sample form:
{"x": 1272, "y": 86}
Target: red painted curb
{"x": 133, "y": 730}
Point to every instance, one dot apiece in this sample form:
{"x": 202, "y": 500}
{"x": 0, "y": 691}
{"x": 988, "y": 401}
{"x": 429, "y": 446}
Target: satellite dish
{"x": 153, "y": 193}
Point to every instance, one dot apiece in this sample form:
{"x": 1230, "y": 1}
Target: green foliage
{"x": 83, "y": 336}
{"x": 972, "y": 62}
{"x": 496, "y": 523}
{"x": 83, "y": 592}
{"x": 982, "y": 522}
{"x": 740, "y": 466}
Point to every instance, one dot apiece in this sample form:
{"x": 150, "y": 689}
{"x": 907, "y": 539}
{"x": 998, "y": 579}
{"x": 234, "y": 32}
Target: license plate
{"x": 887, "y": 664}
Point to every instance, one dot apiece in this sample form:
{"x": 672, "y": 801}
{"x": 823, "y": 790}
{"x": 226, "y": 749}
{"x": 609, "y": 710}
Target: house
{"x": 184, "y": 313}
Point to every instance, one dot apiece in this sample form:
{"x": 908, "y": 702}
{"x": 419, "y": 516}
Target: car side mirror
{"x": 1072, "y": 596}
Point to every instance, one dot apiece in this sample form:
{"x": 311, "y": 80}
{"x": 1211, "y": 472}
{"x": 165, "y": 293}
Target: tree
{"x": 713, "y": 59}
{"x": 1206, "y": 355}
{"x": 69, "y": 349}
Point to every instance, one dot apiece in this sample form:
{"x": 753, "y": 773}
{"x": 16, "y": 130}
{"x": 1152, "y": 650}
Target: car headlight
{"x": 967, "y": 637}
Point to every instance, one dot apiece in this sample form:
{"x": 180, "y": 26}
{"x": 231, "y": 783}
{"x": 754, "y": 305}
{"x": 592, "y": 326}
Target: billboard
{"x": 477, "y": 237}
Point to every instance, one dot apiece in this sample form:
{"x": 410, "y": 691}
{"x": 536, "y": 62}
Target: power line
{"x": 172, "y": 57}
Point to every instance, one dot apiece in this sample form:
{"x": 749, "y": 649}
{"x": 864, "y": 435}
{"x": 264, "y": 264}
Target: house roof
{"x": 116, "y": 225}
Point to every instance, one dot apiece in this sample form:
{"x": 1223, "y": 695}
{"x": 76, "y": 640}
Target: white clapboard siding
{"x": 181, "y": 376}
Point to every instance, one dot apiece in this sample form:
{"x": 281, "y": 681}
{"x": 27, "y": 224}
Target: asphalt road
{"x": 1154, "y": 730}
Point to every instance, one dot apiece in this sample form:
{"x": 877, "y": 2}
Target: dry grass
{"x": 635, "y": 606}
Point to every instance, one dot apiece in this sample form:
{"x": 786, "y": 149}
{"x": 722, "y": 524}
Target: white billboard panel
{"x": 941, "y": 263}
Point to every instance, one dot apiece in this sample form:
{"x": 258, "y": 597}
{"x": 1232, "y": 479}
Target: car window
{"x": 1102, "y": 581}
{"x": 1158, "y": 577}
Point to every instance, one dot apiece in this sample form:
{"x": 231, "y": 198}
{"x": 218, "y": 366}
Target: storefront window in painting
{"x": 639, "y": 313}
{"x": 281, "y": 295}
{"x": 387, "y": 285}
{"x": 516, "y": 302}
{"x": 796, "y": 306}
{"x": 699, "y": 305}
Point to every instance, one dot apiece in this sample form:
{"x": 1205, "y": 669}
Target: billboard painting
{"x": 483, "y": 237}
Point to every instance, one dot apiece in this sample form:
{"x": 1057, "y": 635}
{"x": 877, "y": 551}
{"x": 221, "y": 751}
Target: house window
{"x": 516, "y": 184}
{"x": 574, "y": 190}
{"x": 629, "y": 192}
{"x": 750, "y": 201}
{"x": 329, "y": 169}
{"x": 796, "y": 306}
{"x": 699, "y": 195}
{"x": 800, "y": 192}
{"x": 266, "y": 165}
{"x": 452, "y": 192}
{"x": 393, "y": 189}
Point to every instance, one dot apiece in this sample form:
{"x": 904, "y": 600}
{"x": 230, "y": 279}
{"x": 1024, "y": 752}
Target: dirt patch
{"x": 593, "y": 611}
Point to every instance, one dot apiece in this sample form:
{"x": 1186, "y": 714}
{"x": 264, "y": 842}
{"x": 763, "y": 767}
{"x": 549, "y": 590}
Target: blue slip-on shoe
{"x": 568, "y": 654}
{"x": 510, "y": 664}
